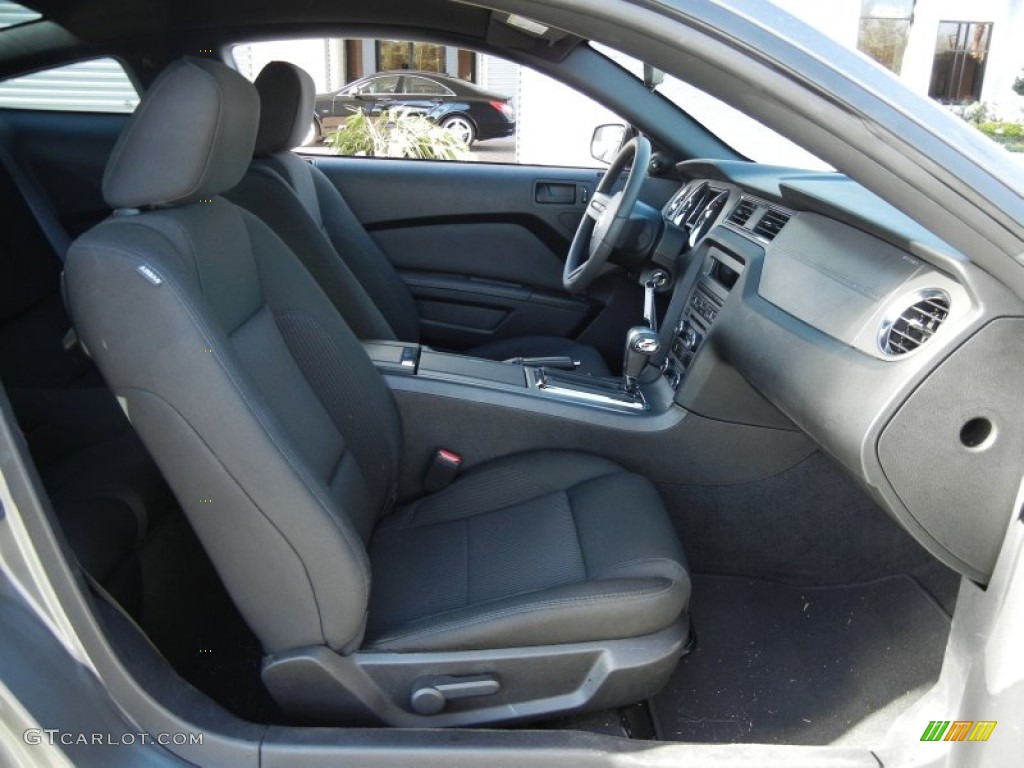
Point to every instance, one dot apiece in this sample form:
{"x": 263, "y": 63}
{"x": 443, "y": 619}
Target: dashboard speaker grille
{"x": 911, "y": 325}
{"x": 771, "y": 224}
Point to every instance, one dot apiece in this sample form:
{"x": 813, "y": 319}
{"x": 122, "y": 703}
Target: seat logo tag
{"x": 150, "y": 274}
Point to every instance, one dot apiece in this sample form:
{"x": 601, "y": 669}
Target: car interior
{"x": 692, "y": 449}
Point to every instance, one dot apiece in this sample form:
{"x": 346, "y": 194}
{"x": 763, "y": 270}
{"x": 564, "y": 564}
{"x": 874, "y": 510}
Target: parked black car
{"x": 469, "y": 112}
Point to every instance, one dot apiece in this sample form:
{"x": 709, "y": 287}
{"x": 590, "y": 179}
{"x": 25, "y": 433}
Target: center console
{"x": 395, "y": 358}
{"x": 674, "y": 415}
{"x": 585, "y": 390}
{"x": 718, "y": 274}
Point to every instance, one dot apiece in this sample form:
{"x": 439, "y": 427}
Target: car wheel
{"x": 461, "y": 128}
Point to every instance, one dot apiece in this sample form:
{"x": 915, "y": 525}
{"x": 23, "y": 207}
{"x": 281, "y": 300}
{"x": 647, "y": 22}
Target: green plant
{"x": 1009, "y": 135}
{"x": 395, "y": 133}
{"x": 1006, "y": 130}
{"x": 976, "y": 113}
{"x": 1018, "y": 86}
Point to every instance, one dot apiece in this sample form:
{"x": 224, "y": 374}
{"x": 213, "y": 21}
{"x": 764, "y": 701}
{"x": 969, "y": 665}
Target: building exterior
{"x": 955, "y": 51}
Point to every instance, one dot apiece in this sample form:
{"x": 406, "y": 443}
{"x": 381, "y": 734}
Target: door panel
{"x": 499, "y": 250}
{"x": 476, "y": 282}
{"x": 387, "y": 193}
{"x": 457, "y": 312}
{"x": 481, "y": 246}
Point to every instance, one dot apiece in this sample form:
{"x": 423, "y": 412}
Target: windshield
{"x": 740, "y": 132}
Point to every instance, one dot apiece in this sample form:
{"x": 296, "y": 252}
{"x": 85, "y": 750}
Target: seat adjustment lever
{"x": 430, "y": 695}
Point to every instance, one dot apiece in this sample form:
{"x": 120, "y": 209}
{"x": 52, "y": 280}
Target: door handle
{"x": 554, "y": 192}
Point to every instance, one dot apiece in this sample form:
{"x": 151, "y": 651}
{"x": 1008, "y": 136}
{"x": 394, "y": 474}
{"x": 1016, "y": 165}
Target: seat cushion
{"x": 543, "y": 346}
{"x": 534, "y": 549}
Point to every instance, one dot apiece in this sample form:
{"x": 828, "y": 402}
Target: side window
{"x": 99, "y": 85}
{"x": 380, "y": 85}
{"x": 423, "y": 87}
{"x": 492, "y": 110}
{"x": 12, "y": 14}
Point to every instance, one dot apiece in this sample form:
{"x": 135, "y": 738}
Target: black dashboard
{"x": 803, "y": 302}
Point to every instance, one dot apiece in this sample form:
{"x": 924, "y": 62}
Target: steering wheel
{"x": 601, "y": 229}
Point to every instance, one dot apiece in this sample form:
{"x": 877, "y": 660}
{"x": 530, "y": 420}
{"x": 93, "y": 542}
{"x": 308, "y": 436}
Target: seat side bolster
{"x": 171, "y": 355}
{"x": 366, "y": 260}
{"x": 269, "y": 198}
{"x": 279, "y": 603}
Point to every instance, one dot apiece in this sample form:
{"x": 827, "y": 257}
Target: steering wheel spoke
{"x": 599, "y": 204}
{"x": 606, "y": 216}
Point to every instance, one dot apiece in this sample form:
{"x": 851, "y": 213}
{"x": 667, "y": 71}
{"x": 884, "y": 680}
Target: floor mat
{"x": 781, "y": 664}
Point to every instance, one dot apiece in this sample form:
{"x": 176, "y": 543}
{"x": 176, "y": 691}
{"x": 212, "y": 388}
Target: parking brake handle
{"x": 559, "y": 362}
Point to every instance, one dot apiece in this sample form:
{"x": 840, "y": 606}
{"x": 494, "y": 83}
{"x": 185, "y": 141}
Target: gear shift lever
{"x": 641, "y": 343}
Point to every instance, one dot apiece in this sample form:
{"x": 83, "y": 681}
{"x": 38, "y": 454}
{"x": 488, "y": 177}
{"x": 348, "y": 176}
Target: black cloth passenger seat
{"x": 107, "y": 492}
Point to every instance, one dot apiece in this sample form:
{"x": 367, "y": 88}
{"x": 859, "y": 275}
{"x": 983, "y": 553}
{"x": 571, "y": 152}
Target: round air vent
{"x": 913, "y": 321}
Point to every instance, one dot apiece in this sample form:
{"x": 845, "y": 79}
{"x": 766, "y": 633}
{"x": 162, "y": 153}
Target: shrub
{"x": 1011, "y": 130}
{"x": 395, "y": 133}
{"x": 1004, "y": 130}
{"x": 976, "y": 113}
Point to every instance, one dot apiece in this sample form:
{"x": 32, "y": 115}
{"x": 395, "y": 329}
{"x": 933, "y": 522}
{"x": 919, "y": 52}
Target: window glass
{"x": 420, "y": 85}
{"x": 375, "y": 85}
{"x": 743, "y": 133}
{"x": 961, "y": 54}
{"x": 522, "y": 116}
{"x": 884, "y": 31}
{"x": 12, "y": 14}
{"x": 100, "y": 85}
{"x": 400, "y": 54}
{"x": 973, "y": 67}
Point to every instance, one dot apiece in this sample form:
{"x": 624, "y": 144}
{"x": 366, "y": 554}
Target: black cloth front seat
{"x": 309, "y": 213}
{"x": 282, "y": 441}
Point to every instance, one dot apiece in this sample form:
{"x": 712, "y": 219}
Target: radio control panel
{"x": 719, "y": 274}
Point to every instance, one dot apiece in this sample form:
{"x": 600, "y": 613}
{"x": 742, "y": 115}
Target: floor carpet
{"x": 782, "y": 664}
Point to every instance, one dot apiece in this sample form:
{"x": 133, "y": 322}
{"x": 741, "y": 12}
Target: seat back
{"x": 268, "y": 420}
{"x": 347, "y": 262}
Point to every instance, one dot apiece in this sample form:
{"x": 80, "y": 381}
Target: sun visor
{"x": 509, "y": 30}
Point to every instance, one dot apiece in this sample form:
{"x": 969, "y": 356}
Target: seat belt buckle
{"x": 443, "y": 470}
{"x": 72, "y": 343}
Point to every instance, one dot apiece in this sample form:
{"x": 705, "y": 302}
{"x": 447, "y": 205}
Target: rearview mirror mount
{"x": 653, "y": 77}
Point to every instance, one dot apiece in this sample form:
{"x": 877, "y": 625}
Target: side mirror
{"x": 607, "y": 141}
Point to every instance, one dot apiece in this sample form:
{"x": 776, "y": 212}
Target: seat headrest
{"x": 190, "y": 138}
{"x": 287, "y": 97}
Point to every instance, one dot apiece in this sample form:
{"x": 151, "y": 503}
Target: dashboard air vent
{"x": 913, "y": 321}
{"x": 741, "y": 213}
{"x": 771, "y": 224}
{"x": 676, "y": 203}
